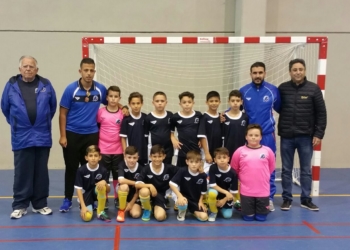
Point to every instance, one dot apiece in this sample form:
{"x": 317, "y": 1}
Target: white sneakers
{"x": 43, "y": 211}
{"x": 271, "y": 206}
{"x": 18, "y": 213}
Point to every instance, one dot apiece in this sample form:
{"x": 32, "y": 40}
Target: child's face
{"x": 131, "y": 160}
{"x": 253, "y": 137}
{"x": 194, "y": 165}
{"x": 157, "y": 159}
{"x": 159, "y": 102}
{"x": 186, "y": 104}
{"x": 222, "y": 160}
{"x": 213, "y": 103}
{"x": 235, "y": 102}
{"x": 135, "y": 105}
{"x": 113, "y": 98}
{"x": 93, "y": 158}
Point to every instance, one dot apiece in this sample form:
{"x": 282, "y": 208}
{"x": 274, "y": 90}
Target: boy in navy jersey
{"x": 128, "y": 171}
{"x": 223, "y": 184}
{"x": 92, "y": 184}
{"x": 153, "y": 182}
{"x": 186, "y": 122}
{"x": 190, "y": 186}
{"x": 209, "y": 130}
{"x": 132, "y": 130}
{"x": 158, "y": 126}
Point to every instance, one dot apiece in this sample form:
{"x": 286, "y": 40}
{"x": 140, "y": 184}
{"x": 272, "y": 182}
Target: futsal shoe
{"x": 212, "y": 217}
{"x": 146, "y": 216}
{"x": 43, "y": 211}
{"x": 67, "y": 204}
{"x": 121, "y": 216}
{"x": 18, "y": 213}
{"x": 237, "y": 206}
{"x": 103, "y": 216}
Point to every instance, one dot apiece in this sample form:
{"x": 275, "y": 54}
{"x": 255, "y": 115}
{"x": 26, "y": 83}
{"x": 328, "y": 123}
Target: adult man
{"x": 302, "y": 124}
{"x": 260, "y": 98}
{"x": 29, "y": 104}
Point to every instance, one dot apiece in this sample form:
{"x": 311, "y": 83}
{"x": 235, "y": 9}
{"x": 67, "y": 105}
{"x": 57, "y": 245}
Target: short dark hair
{"x": 92, "y": 149}
{"x": 193, "y": 155}
{"x": 87, "y": 60}
{"x": 113, "y": 88}
{"x": 131, "y": 150}
{"x": 221, "y": 151}
{"x": 294, "y": 61}
{"x": 159, "y": 93}
{"x": 253, "y": 126}
{"x": 235, "y": 93}
{"x": 135, "y": 95}
{"x": 257, "y": 64}
{"x": 157, "y": 149}
{"x": 186, "y": 93}
{"x": 213, "y": 94}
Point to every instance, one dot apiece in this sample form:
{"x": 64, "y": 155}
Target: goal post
{"x": 202, "y": 64}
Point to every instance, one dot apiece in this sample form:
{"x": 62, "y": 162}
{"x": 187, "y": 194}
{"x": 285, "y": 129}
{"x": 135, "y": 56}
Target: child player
{"x": 186, "y": 122}
{"x": 110, "y": 120}
{"x": 223, "y": 184}
{"x": 209, "y": 130}
{"x": 234, "y": 128}
{"x": 128, "y": 172}
{"x": 190, "y": 186}
{"x": 132, "y": 130}
{"x": 92, "y": 184}
{"x": 153, "y": 182}
{"x": 254, "y": 164}
{"x": 158, "y": 126}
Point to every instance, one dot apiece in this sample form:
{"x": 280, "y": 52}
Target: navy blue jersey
{"x": 159, "y": 180}
{"x": 125, "y": 173}
{"x": 86, "y": 178}
{"x": 191, "y": 185}
{"x": 158, "y": 130}
{"x": 187, "y": 130}
{"x": 210, "y": 128}
{"x": 133, "y": 130}
{"x": 227, "y": 180}
{"x": 233, "y": 130}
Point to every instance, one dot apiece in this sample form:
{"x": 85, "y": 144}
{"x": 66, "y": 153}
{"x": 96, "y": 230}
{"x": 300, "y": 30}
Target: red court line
{"x": 117, "y": 238}
{"x": 311, "y": 227}
{"x": 55, "y": 239}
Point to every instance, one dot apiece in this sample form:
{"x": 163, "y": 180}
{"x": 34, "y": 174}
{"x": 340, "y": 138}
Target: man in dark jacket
{"x": 29, "y": 104}
{"x": 302, "y": 124}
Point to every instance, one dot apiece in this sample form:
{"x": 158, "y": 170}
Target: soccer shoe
{"x": 121, "y": 216}
{"x": 43, "y": 211}
{"x": 212, "y": 217}
{"x": 67, "y": 204}
{"x": 146, "y": 216}
{"x": 103, "y": 216}
{"x": 18, "y": 213}
{"x": 237, "y": 206}
{"x": 181, "y": 215}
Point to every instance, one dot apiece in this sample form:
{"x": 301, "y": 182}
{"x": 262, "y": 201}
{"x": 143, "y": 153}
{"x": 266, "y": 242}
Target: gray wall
{"x": 52, "y": 31}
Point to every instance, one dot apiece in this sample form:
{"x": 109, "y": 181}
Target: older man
{"x": 29, "y": 104}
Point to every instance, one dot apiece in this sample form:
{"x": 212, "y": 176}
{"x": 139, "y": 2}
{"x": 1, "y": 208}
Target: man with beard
{"x": 260, "y": 98}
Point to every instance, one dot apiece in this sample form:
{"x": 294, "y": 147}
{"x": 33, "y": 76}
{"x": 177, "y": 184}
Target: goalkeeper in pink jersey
{"x": 254, "y": 164}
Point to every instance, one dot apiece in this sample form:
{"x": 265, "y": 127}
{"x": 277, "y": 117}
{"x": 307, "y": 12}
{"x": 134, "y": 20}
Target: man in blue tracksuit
{"x": 29, "y": 104}
{"x": 260, "y": 98}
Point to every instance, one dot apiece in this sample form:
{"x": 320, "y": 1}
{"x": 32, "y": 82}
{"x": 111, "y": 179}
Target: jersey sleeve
{"x": 103, "y": 94}
{"x": 201, "y": 128}
{"x": 66, "y": 99}
{"x": 235, "y": 160}
{"x": 99, "y": 115}
{"x": 78, "y": 184}
{"x": 204, "y": 187}
{"x": 212, "y": 177}
{"x": 124, "y": 128}
{"x": 176, "y": 180}
{"x": 142, "y": 176}
{"x": 146, "y": 125}
{"x": 271, "y": 160}
{"x": 234, "y": 182}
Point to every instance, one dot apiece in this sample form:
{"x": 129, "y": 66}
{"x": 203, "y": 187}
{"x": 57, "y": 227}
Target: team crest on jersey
{"x": 266, "y": 98}
{"x": 98, "y": 177}
{"x": 218, "y": 175}
{"x": 153, "y": 122}
{"x": 179, "y": 121}
{"x": 227, "y": 179}
{"x": 200, "y": 181}
{"x": 131, "y": 123}
{"x": 243, "y": 123}
{"x": 118, "y": 121}
{"x": 187, "y": 178}
{"x": 227, "y": 123}
{"x": 43, "y": 90}
{"x": 262, "y": 156}
{"x": 95, "y": 98}
{"x": 126, "y": 170}
{"x": 248, "y": 98}
{"x": 149, "y": 176}
{"x": 210, "y": 121}
{"x": 196, "y": 120}
{"x": 169, "y": 120}
{"x": 87, "y": 176}
{"x": 136, "y": 176}
{"x": 165, "y": 177}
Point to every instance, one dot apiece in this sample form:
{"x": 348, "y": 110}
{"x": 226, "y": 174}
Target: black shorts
{"x": 159, "y": 200}
{"x": 193, "y": 206}
{"x": 254, "y": 205}
{"x": 90, "y": 197}
{"x": 131, "y": 194}
{"x": 228, "y": 204}
{"x": 110, "y": 162}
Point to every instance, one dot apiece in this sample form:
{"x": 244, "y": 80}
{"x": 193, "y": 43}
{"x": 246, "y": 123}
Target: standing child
{"x": 132, "y": 131}
{"x": 223, "y": 184}
{"x": 158, "y": 126}
{"x": 254, "y": 164}
{"x": 186, "y": 122}
{"x": 92, "y": 184}
{"x": 110, "y": 119}
{"x": 153, "y": 182}
{"x": 128, "y": 172}
{"x": 190, "y": 186}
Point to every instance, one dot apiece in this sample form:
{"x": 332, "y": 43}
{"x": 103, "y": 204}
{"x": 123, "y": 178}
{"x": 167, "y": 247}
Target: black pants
{"x": 31, "y": 182}
{"x": 74, "y": 155}
{"x": 111, "y": 162}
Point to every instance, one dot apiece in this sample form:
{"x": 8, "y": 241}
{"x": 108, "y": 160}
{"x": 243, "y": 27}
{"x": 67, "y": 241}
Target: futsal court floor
{"x": 296, "y": 229}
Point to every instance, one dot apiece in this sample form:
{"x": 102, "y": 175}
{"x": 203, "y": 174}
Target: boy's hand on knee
{"x": 83, "y": 211}
{"x": 221, "y": 203}
{"x": 202, "y": 206}
{"x": 181, "y": 201}
{"x": 229, "y": 196}
{"x": 100, "y": 185}
{"x": 153, "y": 191}
{"x": 129, "y": 206}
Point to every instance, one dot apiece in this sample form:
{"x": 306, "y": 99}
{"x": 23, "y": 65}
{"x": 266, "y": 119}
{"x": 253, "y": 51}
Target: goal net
{"x": 196, "y": 64}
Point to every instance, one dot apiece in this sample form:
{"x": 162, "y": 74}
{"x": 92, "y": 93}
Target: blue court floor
{"x": 296, "y": 229}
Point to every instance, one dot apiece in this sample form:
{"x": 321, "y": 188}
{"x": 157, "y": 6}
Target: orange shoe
{"x": 121, "y": 216}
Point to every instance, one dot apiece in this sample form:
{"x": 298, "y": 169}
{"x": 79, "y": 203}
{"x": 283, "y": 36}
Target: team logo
{"x": 95, "y": 98}
{"x": 196, "y": 120}
{"x": 43, "y": 90}
{"x": 187, "y": 178}
{"x": 149, "y": 176}
{"x": 179, "y": 121}
{"x": 248, "y": 98}
{"x": 76, "y": 98}
{"x": 266, "y": 98}
{"x": 36, "y": 90}
{"x": 227, "y": 179}
{"x": 126, "y": 170}
{"x": 210, "y": 122}
{"x": 131, "y": 123}
{"x": 98, "y": 177}
{"x": 169, "y": 120}
{"x": 200, "y": 181}
{"x": 118, "y": 121}
{"x": 136, "y": 176}
{"x": 262, "y": 156}
{"x": 153, "y": 122}
{"x": 227, "y": 123}
{"x": 165, "y": 177}
{"x": 87, "y": 176}
{"x": 243, "y": 123}
{"x": 218, "y": 175}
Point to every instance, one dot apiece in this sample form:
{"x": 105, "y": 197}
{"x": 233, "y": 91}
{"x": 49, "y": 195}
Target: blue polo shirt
{"x": 82, "y": 109}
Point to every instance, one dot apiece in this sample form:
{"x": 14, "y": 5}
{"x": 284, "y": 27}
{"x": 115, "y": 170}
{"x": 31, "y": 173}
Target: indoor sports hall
{"x": 176, "y": 46}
